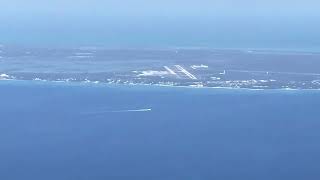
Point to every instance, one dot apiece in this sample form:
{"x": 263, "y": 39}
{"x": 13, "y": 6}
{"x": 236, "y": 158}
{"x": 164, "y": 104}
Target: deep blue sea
{"x": 61, "y": 131}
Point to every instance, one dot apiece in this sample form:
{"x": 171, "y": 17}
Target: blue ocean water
{"x": 73, "y": 131}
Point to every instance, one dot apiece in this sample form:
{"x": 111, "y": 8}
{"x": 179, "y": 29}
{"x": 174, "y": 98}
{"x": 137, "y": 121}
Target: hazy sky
{"x": 216, "y": 23}
{"x": 160, "y": 7}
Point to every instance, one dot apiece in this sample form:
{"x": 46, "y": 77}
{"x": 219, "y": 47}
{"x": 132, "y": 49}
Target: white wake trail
{"x": 133, "y": 110}
{"x": 119, "y": 111}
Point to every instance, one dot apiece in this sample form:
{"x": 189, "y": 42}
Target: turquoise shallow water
{"x": 78, "y": 131}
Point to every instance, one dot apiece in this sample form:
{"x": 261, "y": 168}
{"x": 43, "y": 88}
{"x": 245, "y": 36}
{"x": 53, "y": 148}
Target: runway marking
{"x": 191, "y": 76}
{"x": 170, "y": 70}
{"x": 223, "y": 73}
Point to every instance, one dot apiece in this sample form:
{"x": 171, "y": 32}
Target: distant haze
{"x": 166, "y": 23}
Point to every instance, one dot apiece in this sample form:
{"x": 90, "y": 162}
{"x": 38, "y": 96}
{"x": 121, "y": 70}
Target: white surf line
{"x": 120, "y": 111}
{"x": 267, "y": 72}
{"x": 83, "y": 53}
{"x": 191, "y": 76}
{"x": 170, "y": 70}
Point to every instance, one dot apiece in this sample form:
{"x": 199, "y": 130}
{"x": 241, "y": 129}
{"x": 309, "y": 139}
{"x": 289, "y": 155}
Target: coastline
{"x": 148, "y": 87}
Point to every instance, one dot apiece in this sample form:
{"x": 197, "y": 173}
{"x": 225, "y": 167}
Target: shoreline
{"x": 139, "y": 86}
